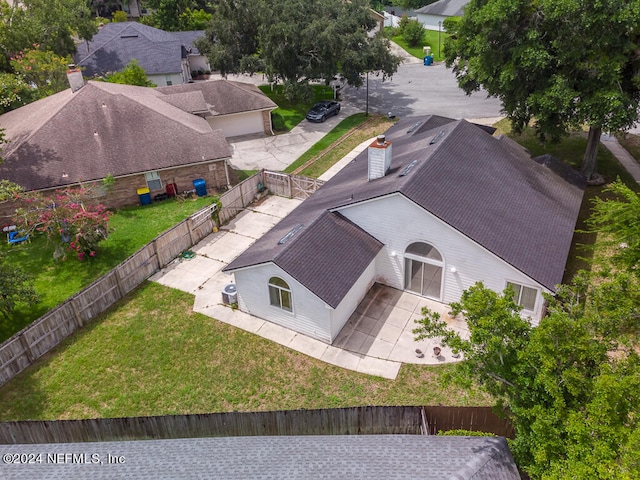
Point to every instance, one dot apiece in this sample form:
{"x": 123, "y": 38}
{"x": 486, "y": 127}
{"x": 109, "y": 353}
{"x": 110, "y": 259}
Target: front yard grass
{"x": 152, "y": 355}
{"x": 55, "y": 281}
{"x": 430, "y": 38}
{"x": 289, "y": 114}
{"x": 378, "y": 124}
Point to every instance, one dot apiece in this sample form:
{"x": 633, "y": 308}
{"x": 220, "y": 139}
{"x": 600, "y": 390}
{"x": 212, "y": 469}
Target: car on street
{"x": 322, "y": 110}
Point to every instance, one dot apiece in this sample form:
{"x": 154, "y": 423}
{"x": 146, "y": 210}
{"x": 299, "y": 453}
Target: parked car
{"x": 321, "y": 110}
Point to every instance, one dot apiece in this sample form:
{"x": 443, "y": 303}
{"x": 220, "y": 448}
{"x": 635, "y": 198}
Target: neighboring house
{"x": 435, "y": 207}
{"x": 105, "y": 129}
{"x": 236, "y": 108}
{"x": 432, "y": 16}
{"x": 168, "y": 58}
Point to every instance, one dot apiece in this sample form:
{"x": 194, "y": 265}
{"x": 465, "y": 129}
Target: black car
{"x": 321, "y": 110}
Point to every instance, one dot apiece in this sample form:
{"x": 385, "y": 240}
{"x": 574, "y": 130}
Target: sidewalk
{"x": 628, "y": 162}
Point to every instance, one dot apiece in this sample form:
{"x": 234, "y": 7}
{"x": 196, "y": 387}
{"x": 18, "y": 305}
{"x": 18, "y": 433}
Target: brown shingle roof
{"x": 517, "y": 208}
{"x": 224, "y": 97}
{"x": 103, "y": 129}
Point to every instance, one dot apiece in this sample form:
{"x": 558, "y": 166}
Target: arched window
{"x": 423, "y": 268}
{"x": 280, "y": 294}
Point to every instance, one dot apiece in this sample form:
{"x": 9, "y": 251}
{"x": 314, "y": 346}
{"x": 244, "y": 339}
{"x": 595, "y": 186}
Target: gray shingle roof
{"x": 224, "y": 97}
{"x": 517, "y": 208}
{"x": 115, "y": 44}
{"x": 446, "y": 8}
{"x": 101, "y": 129}
{"x": 353, "y": 457}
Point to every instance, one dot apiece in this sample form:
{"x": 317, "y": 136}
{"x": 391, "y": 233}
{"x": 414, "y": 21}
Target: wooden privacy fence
{"x": 369, "y": 420}
{"x": 32, "y": 342}
{"x": 335, "y": 421}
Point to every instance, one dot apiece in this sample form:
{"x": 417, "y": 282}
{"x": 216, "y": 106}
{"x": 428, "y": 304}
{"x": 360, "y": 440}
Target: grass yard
{"x": 55, "y": 281}
{"x": 152, "y": 355}
{"x": 378, "y": 124}
{"x": 430, "y": 39}
{"x": 289, "y": 114}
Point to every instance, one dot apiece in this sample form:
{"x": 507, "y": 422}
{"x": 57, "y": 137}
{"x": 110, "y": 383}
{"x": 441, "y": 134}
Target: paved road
{"x": 419, "y": 90}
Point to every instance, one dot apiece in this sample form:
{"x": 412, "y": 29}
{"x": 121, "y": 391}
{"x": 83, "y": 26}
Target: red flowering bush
{"x": 68, "y": 217}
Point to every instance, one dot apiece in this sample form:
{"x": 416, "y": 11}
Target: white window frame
{"x": 151, "y": 177}
{"x": 278, "y": 290}
{"x": 518, "y": 289}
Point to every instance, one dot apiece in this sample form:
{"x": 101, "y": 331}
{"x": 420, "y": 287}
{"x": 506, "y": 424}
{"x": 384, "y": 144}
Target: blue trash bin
{"x": 201, "y": 187}
{"x": 428, "y": 60}
{"x": 145, "y": 196}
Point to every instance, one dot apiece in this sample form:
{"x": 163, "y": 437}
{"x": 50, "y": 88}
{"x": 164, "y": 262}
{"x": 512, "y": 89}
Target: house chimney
{"x": 379, "y": 157}
{"x": 74, "y": 75}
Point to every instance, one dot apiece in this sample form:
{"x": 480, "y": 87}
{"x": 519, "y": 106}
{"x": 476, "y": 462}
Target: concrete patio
{"x": 377, "y": 339}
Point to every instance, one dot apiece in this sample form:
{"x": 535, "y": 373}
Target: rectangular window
{"x": 153, "y": 180}
{"x": 523, "y": 296}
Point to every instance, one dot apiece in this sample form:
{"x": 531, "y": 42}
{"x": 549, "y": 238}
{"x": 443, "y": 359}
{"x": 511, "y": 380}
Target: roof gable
{"x": 116, "y": 44}
{"x": 445, "y": 8}
{"x": 224, "y": 97}
{"x": 103, "y": 129}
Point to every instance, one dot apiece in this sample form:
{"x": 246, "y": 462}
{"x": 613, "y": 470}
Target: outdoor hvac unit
{"x": 229, "y": 294}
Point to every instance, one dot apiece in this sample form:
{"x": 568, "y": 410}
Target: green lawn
{"x": 430, "y": 39}
{"x": 55, "y": 281}
{"x": 289, "y": 114}
{"x": 152, "y": 355}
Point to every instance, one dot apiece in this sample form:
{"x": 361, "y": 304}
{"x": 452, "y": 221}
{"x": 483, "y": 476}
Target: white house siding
{"x": 161, "y": 79}
{"x": 238, "y": 124}
{"x": 430, "y": 22}
{"x": 398, "y": 222}
{"x": 198, "y": 62}
{"x": 309, "y": 316}
{"x": 341, "y": 314}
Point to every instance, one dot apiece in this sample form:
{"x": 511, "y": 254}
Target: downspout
{"x": 226, "y": 172}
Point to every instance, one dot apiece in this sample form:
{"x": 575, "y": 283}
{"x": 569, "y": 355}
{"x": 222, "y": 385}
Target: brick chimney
{"x": 379, "y": 153}
{"x": 74, "y": 75}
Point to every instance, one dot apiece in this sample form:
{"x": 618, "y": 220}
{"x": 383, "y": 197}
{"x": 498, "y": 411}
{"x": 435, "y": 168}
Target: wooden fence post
{"x": 27, "y": 349}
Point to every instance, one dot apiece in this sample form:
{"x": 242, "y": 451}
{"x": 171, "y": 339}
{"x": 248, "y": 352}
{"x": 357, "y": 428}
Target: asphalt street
{"x": 416, "y": 89}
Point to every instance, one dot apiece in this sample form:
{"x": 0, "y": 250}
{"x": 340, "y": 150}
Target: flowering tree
{"x": 42, "y": 68}
{"x": 67, "y": 217}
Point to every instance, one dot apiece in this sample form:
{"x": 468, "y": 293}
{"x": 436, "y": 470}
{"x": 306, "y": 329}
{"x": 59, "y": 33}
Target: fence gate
{"x": 303, "y": 187}
{"x": 278, "y": 183}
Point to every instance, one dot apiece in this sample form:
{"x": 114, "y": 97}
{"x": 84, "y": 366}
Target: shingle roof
{"x": 335, "y": 457}
{"x": 445, "y": 8}
{"x": 494, "y": 194}
{"x": 102, "y": 129}
{"x": 224, "y": 97}
{"x": 115, "y": 44}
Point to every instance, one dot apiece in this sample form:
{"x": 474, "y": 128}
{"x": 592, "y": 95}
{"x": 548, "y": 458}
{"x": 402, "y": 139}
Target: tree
{"x": 176, "y": 15}
{"x": 413, "y": 33}
{"x": 51, "y": 24}
{"x": 570, "y": 385}
{"x": 551, "y": 63}
{"x": 131, "y": 74}
{"x": 15, "y": 287}
{"x": 14, "y": 92}
{"x": 68, "y": 218}
{"x": 43, "y": 69}
{"x": 296, "y": 42}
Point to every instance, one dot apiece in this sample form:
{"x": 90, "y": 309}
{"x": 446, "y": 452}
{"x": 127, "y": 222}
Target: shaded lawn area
{"x": 289, "y": 114}
{"x": 55, "y": 281}
{"x": 152, "y": 355}
{"x": 631, "y": 143}
{"x": 571, "y": 150}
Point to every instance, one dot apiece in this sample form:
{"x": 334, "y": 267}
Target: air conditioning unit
{"x": 229, "y": 294}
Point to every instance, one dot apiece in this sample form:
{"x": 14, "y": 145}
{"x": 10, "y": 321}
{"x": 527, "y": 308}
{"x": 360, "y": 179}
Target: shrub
{"x": 119, "y": 16}
{"x": 402, "y": 24}
{"x": 413, "y": 33}
{"x": 278, "y": 122}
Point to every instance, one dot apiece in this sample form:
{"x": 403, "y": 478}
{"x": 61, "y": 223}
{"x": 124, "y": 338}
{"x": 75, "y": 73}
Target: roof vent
{"x": 414, "y": 127}
{"x": 129, "y": 35}
{"x": 408, "y": 168}
{"x": 290, "y": 235}
{"x": 437, "y": 137}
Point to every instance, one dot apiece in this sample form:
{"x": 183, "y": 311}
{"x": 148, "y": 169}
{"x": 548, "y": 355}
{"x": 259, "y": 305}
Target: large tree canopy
{"x": 51, "y": 24}
{"x": 562, "y": 64}
{"x": 297, "y": 42}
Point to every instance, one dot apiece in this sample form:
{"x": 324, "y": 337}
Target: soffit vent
{"x": 290, "y": 235}
{"x": 437, "y": 137}
{"x": 408, "y": 168}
